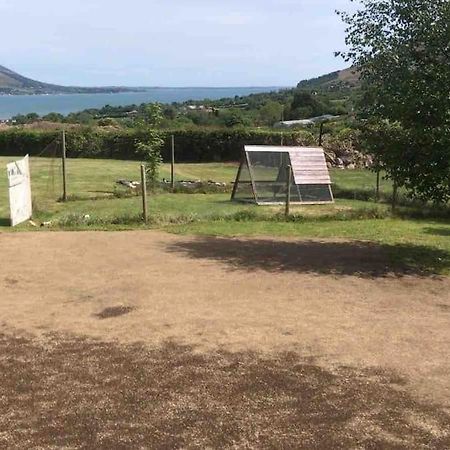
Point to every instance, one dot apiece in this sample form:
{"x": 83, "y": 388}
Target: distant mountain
{"x": 15, "y": 84}
{"x": 341, "y": 79}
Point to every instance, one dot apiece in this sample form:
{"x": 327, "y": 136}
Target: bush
{"x": 21, "y": 142}
{"x": 191, "y": 145}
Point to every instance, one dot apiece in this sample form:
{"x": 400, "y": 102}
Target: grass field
{"x": 91, "y": 187}
{"x": 91, "y": 182}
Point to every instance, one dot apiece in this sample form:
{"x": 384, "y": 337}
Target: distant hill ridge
{"x": 348, "y": 78}
{"x": 13, "y": 83}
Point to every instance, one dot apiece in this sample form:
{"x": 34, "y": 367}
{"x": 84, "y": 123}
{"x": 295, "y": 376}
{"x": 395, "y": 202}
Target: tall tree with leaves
{"x": 402, "y": 50}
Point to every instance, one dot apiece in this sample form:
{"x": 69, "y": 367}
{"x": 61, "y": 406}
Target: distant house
{"x": 5, "y": 122}
{"x": 202, "y": 108}
{"x": 305, "y": 122}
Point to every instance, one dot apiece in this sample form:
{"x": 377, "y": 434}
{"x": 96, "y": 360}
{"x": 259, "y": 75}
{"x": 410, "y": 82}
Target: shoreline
{"x": 66, "y": 103}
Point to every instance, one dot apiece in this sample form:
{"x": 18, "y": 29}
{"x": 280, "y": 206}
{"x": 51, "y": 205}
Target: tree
{"x": 83, "y": 117}
{"x": 170, "y": 112}
{"x": 306, "y": 105}
{"x": 234, "y": 118}
{"x": 402, "y": 51}
{"x": 150, "y": 146}
{"x": 270, "y": 113}
{"x": 20, "y": 119}
{"x": 107, "y": 122}
{"x": 53, "y": 117}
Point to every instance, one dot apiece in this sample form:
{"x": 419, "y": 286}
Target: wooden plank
{"x": 309, "y": 166}
{"x": 322, "y": 178}
{"x": 314, "y": 181}
{"x": 311, "y": 172}
{"x": 308, "y": 158}
{"x": 252, "y": 178}
{"x": 312, "y": 175}
{"x": 309, "y": 162}
{"x": 308, "y": 152}
{"x": 238, "y": 176}
{"x": 314, "y": 166}
{"x": 321, "y": 175}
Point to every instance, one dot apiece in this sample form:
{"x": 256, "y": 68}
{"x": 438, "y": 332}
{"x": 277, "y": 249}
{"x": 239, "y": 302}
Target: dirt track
{"x": 335, "y": 304}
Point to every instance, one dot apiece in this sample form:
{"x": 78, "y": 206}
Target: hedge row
{"x": 191, "y": 145}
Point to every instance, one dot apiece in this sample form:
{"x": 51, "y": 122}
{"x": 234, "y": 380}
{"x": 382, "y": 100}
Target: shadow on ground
{"x": 438, "y": 231}
{"x": 363, "y": 259}
{"x": 5, "y": 222}
{"x": 73, "y": 393}
{"x": 114, "y": 311}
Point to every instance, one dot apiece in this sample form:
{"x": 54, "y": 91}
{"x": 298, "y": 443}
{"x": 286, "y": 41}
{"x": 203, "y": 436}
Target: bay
{"x": 11, "y": 105}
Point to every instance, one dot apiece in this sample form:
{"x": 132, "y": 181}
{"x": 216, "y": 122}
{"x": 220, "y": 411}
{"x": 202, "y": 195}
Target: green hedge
{"x": 191, "y": 145}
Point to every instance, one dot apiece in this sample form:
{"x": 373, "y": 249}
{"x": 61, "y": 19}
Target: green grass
{"x": 91, "y": 185}
{"x": 421, "y": 246}
{"x": 90, "y": 179}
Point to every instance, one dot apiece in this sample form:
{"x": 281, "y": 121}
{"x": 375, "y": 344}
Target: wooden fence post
{"x": 288, "y": 191}
{"x": 394, "y": 196}
{"x": 378, "y": 186}
{"x": 172, "y": 165}
{"x": 144, "y": 193}
{"x": 64, "y": 171}
{"x": 321, "y": 134}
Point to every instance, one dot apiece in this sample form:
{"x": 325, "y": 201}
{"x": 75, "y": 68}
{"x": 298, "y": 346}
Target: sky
{"x": 172, "y": 42}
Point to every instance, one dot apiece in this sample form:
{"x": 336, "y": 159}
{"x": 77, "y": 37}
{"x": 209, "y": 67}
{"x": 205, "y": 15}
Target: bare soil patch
{"x": 75, "y": 393}
{"x": 116, "y": 340}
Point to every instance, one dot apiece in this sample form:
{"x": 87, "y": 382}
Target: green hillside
{"x": 15, "y": 84}
{"x": 341, "y": 79}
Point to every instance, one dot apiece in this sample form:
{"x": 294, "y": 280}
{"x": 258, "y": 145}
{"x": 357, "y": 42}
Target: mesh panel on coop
{"x": 262, "y": 176}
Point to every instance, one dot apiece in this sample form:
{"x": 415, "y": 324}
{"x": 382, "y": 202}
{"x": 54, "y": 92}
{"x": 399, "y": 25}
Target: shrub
{"x": 200, "y": 145}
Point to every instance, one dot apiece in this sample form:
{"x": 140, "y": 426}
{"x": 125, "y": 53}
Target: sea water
{"x": 11, "y": 105}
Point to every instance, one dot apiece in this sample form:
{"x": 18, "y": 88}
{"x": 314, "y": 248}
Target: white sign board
{"x": 19, "y": 191}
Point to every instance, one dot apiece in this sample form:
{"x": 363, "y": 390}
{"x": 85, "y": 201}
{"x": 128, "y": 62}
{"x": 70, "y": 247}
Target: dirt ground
{"x": 144, "y": 340}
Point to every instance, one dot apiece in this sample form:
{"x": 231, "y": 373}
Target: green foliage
{"x": 83, "y": 118}
{"x": 151, "y": 149}
{"x": 201, "y": 187}
{"x": 234, "y": 118}
{"x": 305, "y": 105}
{"x": 19, "y": 142}
{"x": 201, "y": 118}
{"x": 317, "y": 83}
{"x": 151, "y": 115}
{"x": 270, "y": 113}
{"x": 107, "y": 122}
{"x": 192, "y": 145}
{"x": 150, "y": 146}
{"x": 401, "y": 48}
{"x": 88, "y": 139}
{"x": 53, "y": 117}
{"x": 21, "y": 119}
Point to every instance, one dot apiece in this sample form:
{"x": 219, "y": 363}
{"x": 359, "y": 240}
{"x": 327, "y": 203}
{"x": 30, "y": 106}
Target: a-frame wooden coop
{"x": 262, "y": 176}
